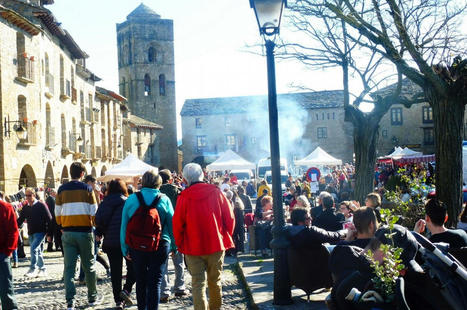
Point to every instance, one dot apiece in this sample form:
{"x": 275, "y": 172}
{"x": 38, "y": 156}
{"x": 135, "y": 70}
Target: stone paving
{"x": 49, "y": 293}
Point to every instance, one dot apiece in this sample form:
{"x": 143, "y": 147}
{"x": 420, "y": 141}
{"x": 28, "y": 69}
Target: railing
{"x": 50, "y": 137}
{"x": 49, "y": 82}
{"x": 26, "y": 68}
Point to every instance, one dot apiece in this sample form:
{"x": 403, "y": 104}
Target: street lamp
{"x": 268, "y": 14}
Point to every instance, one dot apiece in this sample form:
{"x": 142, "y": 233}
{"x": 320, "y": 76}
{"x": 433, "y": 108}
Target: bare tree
{"x": 423, "y": 39}
{"x": 328, "y": 43}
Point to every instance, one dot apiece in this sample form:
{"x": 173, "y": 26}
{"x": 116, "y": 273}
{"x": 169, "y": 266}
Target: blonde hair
{"x": 151, "y": 179}
{"x": 304, "y": 201}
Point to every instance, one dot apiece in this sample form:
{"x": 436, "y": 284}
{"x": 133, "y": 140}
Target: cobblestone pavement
{"x": 49, "y": 293}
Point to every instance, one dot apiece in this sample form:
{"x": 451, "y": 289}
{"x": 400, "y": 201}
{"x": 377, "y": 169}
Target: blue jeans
{"x": 7, "y": 295}
{"x": 149, "y": 268}
{"x": 179, "y": 285}
{"x": 15, "y": 256}
{"x": 36, "y": 242}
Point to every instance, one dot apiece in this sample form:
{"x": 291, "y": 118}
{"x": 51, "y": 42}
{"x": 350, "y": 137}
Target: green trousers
{"x": 79, "y": 244}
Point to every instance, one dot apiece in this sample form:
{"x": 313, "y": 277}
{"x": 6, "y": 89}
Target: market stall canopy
{"x": 318, "y": 157}
{"x": 230, "y": 161}
{"x": 400, "y": 153}
{"x": 129, "y": 168}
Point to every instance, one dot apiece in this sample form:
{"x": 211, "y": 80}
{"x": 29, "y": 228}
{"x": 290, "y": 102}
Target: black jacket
{"x": 328, "y": 221}
{"x": 171, "y": 191}
{"x": 311, "y": 237}
{"x": 38, "y": 218}
{"x": 109, "y": 220}
{"x": 246, "y": 203}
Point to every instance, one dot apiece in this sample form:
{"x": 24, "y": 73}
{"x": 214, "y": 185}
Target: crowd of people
{"x": 193, "y": 219}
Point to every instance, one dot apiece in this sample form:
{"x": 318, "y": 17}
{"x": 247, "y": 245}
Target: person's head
{"x": 151, "y": 179}
{"x": 30, "y": 195}
{"x": 265, "y": 191}
{"x": 344, "y": 208}
{"x": 240, "y": 190}
{"x": 192, "y": 173}
{"x": 263, "y": 182}
{"x": 373, "y": 200}
{"x": 300, "y": 216}
{"x": 322, "y": 195}
{"x": 166, "y": 176}
{"x": 365, "y": 222}
{"x": 328, "y": 202}
{"x": 77, "y": 170}
{"x": 90, "y": 180}
{"x": 345, "y": 196}
{"x": 302, "y": 201}
{"x": 292, "y": 189}
{"x": 266, "y": 203}
{"x": 436, "y": 213}
{"x": 117, "y": 186}
{"x": 52, "y": 192}
{"x": 228, "y": 194}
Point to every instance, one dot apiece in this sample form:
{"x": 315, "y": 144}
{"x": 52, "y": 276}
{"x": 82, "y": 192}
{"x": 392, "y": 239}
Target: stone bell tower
{"x": 147, "y": 76}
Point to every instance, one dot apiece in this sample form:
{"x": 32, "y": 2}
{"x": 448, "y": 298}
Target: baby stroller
{"x": 434, "y": 279}
{"x": 445, "y": 271}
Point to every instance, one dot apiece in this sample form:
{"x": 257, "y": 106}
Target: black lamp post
{"x": 268, "y": 14}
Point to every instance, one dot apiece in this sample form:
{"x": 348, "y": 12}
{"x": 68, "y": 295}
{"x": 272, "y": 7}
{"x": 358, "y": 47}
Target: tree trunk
{"x": 448, "y": 117}
{"x": 365, "y": 139}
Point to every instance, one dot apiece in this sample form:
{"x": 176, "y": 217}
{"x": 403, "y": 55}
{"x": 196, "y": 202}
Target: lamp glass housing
{"x": 21, "y": 132}
{"x": 268, "y": 14}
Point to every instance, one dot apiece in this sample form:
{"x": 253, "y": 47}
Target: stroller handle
{"x": 427, "y": 245}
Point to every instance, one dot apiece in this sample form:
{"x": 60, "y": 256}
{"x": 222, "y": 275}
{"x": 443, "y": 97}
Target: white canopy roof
{"x": 129, "y": 168}
{"x": 318, "y": 157}
{"x": 403, "y": 152}
{"x": 230, "y": 161}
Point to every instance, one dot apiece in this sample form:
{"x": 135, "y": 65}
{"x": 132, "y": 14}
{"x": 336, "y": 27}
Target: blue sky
{"x": 211, "y": 57}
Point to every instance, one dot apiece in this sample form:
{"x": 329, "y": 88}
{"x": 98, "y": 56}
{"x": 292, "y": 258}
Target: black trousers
{"x": 116, "y": 265}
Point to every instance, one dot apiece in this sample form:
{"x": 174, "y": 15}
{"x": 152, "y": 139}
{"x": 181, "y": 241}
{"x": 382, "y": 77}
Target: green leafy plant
{"x": 387, "y": 271}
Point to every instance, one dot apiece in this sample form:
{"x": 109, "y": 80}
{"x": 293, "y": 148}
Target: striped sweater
{"x": 75, "y": 207}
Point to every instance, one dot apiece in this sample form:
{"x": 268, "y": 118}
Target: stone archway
{"x": 27, "y": 177}
{"x": 49, "y": 179}
{"x": 93, "y": 172}
{"x": 64, "y": 178}
{"x": 103, "y": 170}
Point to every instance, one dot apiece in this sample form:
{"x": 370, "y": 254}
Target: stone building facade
{"x": 147, "y": 76}
{"x": 306, "y": 120}
{"x": 51, "y": 112}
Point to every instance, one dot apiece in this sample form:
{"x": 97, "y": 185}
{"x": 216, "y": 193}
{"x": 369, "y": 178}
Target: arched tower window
{"x": 147, "y": 85}
{"x": 151, "y": 54}
{"x": 22, "y": 109}
{"x": 162, "y": 85}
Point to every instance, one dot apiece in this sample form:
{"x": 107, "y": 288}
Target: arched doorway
{"x": 93, "y": 172}
{"x": 103, "y": 170}
{"x": 49, "y": 179}
{"x": 65, "y": 177}
{"x": 27, "y": 177}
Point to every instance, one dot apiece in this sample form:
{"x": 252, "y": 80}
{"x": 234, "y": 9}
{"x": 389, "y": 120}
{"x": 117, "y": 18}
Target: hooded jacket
{"x": 203, "y": 222}
{"x": 109, "y": 220}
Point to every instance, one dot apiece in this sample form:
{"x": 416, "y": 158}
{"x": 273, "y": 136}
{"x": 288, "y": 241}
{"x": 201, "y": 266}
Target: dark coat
{"x": 109, "y": 220}
{"x": 328, "y": 221}
{"x": 171, "y": 191}
{"x": 302, "y": 237}
{"x": 38, "y": 218}
{"x": 246, "y": 203}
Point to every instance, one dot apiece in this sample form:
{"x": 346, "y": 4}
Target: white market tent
{"x": 129, "y": 168}
{"x": 403, "y": 153}
{"x": 230, "y": 161}
{"x": 318, "y": 157}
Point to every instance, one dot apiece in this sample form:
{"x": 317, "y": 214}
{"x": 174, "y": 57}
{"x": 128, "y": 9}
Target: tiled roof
{"x": 142, "y": 123}
{"x": 245, "y": 104}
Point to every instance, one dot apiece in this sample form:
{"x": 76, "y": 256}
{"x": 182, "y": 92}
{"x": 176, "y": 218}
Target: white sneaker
{"x": 97, "y": 301}
{"x": 32, "y": 273}
{"x": 42, "y": 273}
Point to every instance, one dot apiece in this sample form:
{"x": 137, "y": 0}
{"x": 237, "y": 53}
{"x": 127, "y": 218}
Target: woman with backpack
{"x": 146, "y": 238}
{"x": 108, "y": 222}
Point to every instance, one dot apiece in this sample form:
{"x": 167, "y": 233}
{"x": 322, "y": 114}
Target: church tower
{"x": 147, "y": 76}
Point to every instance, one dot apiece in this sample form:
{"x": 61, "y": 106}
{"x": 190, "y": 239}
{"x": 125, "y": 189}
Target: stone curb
{"x": 237, "y": 267}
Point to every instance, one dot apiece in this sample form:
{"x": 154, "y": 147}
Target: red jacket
{"x": 203, "y": 222}
{"x": 9, "y": 227}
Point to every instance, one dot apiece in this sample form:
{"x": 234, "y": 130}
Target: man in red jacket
{"x": 203, "y": 225}
{"x": 8, "y": 243}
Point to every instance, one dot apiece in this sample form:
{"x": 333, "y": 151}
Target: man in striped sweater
{"x": 75, "y": 208}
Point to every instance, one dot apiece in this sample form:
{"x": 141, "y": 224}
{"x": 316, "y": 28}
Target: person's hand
{"x": 128, "y": 257}
{"x": 49, "y": 239}
{"x": 420, "y": 226}
{"x": 98, "y": 238}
